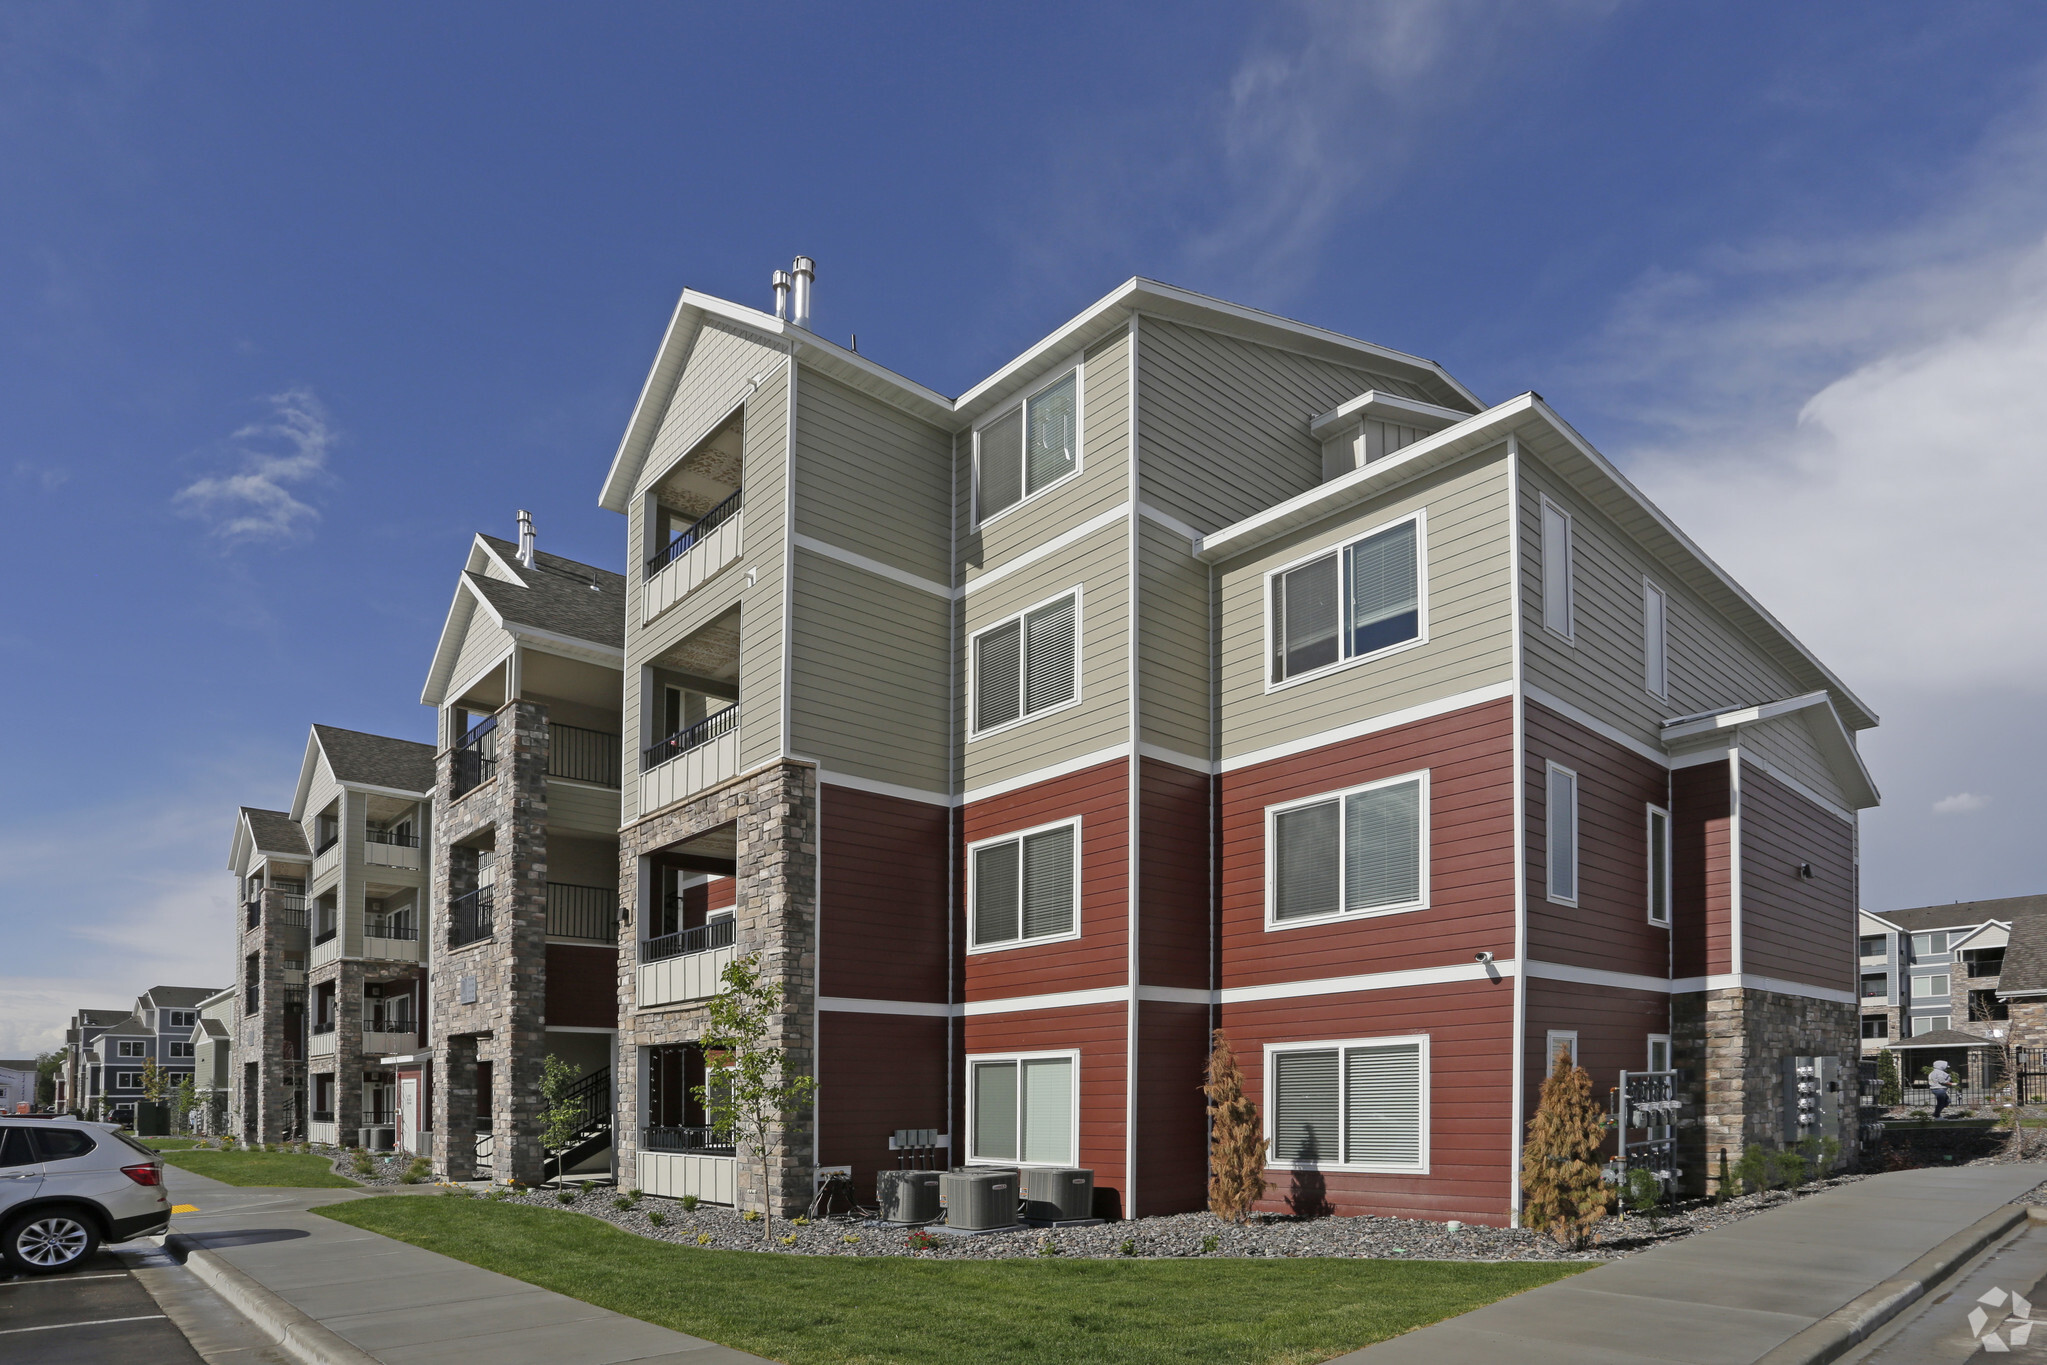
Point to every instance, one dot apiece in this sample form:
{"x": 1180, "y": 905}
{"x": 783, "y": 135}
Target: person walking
{"x": 1942, "y": 1080}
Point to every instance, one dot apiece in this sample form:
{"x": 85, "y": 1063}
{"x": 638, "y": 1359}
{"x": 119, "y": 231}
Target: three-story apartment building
{"x": 1199, "y": 668}
{"x": 1934, "y": 982}
{"x": 271, "y": 862}
{"x": 74, "y": 1079}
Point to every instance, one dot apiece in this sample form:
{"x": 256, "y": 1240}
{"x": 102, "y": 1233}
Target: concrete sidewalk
{"x": 1727, "y": 1297}
{"x": 342, "y": 1296}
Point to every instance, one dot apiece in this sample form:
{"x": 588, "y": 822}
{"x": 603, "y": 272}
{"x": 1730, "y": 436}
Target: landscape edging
{"x": 291, "y": 1328}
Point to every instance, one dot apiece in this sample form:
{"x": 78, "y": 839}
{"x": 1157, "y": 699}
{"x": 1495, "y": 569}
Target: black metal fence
{"x": 470, "y": 917}
{"x": 290, "y": 910}
{"x": 582, "y": 912}
{"x": 1982, "y": 1078}
{"x": 476, "y": 756}
{"x": 583, "y": 755}
{"x": 695, "y": 737}
{"x": 399, "y": 926}
{"x": 685, "y": 541}
{"x": 716, "y": 934}
{"x": 391, "y": 837}
{"x": 693, "y": 1141}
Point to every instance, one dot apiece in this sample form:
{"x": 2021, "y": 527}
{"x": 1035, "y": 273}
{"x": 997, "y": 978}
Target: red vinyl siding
{"x": 1471, "y": 1142}
{"x": 1100, "y": 796}
{"x": 879, "y": 1072}
{"x": 1101, "y": 1034}
{"x": 1791, "y": 928}
{"x": 1701, "y": 869}
{"x": 1609, "y": 927}
{"x": 1172, "y": 1118}
{"x": 582, "y": 986}
{"x": 721, "y": 893}
{"x": 1469, "y": 757}
{"x": 1174, "y": 939}
{"x": 881, "y": 918}
{"x": 1613, "y": 1028}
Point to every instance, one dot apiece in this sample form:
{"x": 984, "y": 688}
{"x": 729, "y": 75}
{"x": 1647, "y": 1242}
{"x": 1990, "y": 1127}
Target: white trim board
{"x": 1358, "y": 729}
{"x": 1073, "y": 535}
{"x": 875, "y": 566}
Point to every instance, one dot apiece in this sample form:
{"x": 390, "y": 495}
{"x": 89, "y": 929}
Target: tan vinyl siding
{"x": 1098, "y": 565}
{"x": 872, "y": 479}
{"x": 582, "y": 807}
{"x": 354, "y": 810}
{"x": 483, "y": 644}
{"x": 1102, "y": 483}
{"x": 722, "y": 361}
{"x": 1223, "y": 423}
{"x": 1469, "y": 623}
{"x": 871, "y": 680}
{"x": 1173, "y": 644}
{"x": 321, "y": 792}
{"x": 1710, "y": 664}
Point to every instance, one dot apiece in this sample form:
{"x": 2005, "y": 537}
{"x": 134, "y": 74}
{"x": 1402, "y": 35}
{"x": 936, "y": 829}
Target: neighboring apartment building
{"x": 1938, "y": 975}
{"x": 113, "y": 1063}
{"x": 526, "y": 685}
{"x": 213, "y": 1060}
{"x": 74, "y": 1079}
{"x": 1197, "y": 668}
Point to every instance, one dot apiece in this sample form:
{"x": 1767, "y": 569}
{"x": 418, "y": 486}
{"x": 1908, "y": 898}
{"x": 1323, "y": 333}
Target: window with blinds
{"x": 1655, "y": 651}
{"x": 1659, "y": 866}
{"x": 1561, "y": 813}
{"x": 1027, "y": 664}
{"x": 1351, "y": 853}
{"x": 1029, "y": 448}
{"x": 1556, "y": 568}
{"x": 1026, "y": 888}
{"x": 1352, "y": 1104}
{"x": 1024, "y": 1110}
{"x": 1349, "y": 603}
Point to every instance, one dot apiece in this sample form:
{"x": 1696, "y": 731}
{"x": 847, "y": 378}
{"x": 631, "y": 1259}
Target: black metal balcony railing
{"x": 325, "y": 936}
{"x": 398, "y": 927}
{"x": 255, "y": 912}
{"x": 324, "y": 1026}
{"x": 583, "y": 755}
{"x": 582, "y": 912}
{"x": 290, "y": 910}
{"x": 695, "y": 737}
{"x": 294, "y": 998}
{"x": 392, "y": 837}
{"x": 323, "y": 1116}
{"x": 715, "y": 934}
{"x": 379, "y": 1024}
{"x": 470, "y": 918}
{"x": 252, "y": 998}
{"x": 475, "y": 758}
{"x": 685, "y": 541}
{"x": 695, "y": 1141}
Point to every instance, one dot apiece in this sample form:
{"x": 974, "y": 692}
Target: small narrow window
{"x": 1026, "y": 889}
{"x": 1659, "y": 1052}
{"x": 1659, "y": 866}
{"x": 1556, "y": 568}
{"x": 1562, "y": 834}
{"x": 1559, "y": 1040}
{"x": 1027, "y": 665}
{"x": 1655, "y": 654}
{"x": 1357, "y": 852}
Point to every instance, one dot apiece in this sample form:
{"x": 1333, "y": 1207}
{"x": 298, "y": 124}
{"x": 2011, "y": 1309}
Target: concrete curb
{"x": 1856, "y": 1321}
{"x": 299, "y": 1335}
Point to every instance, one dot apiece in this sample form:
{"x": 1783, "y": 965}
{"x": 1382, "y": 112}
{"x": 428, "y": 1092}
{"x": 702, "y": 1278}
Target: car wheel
{"x": 48, "y": 1240}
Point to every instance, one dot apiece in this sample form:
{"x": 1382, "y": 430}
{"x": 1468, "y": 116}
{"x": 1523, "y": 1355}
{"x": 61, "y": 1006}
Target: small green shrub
{"x": 1793, "y": 1169}
{"x": 850, "y": 1238}
{"x": 1644, "y": 1195}
{"x": 703, "y": 1239}
{"x": 567, "y": 1196}
{"x": 419, "y": 1170}
{"x": 1048, "y": 1247}
{"x": 621, "y": 1203}
{"x": 751, "y": 1216}
{"x": 800, "y": 1221}
{"x": 656, "y": 1217}
{"x": 633, "y": 1197}
{"x": 1128, "y": 1246}
{"x": 1210, "y": 1243}
{"x": 689, "y": 1203}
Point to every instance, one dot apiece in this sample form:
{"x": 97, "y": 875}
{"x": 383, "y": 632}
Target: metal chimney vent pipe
{"x": 805, "y": 271}
{"x": 525, "y": 537}
{"x": 781, "y": 293}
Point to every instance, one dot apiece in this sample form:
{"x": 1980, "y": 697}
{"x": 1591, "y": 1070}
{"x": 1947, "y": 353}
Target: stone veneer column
{"x": 505, "y": 1023}
{"x": 269, "y": 939}
{"x": 1734, "y": 1042}
{"x": 775, "y": 812}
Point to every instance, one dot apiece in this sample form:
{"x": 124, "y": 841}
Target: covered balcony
{"x": 695, "y": 523}
{"x": 688, "y": 931}
{"x": 692, "y": 711}
{"x": 472, "y": 883}
{"x": 680, "y": 1153}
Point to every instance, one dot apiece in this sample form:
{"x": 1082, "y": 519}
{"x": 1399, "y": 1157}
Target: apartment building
{"x": 526, "y": 684}
{"x": 1198, "y": 668}
{"x": 212, "y": 1044}
{"x": 1936, "y": 979}
{"x": 271, "y": 861}
{"x": 74, "y": 1079}
{"x": 111, "y": 1064}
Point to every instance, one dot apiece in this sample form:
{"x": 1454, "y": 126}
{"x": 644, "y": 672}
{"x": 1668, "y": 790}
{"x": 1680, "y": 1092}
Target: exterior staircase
{"x": 591, "y": 1098}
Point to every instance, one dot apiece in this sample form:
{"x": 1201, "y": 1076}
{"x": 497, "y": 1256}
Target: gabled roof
{"x": 1822, "y": 721}
{"x": 1107, "y": 315}
{"x": 131, "y": 1027}
{"x": 18, "y": 1065}
{"x": 1944, "y": 1037}
{"x": 560, "y": 605}
{"x": 1965, "y": 914}
{"x": 2025, "y": 958}
{"x": 95, "y": 1018}
{"x": 264, "y": 831}
{"x": 208, "y": 1030}
{"x": 176, "y": 997}
{"x": 404, "y": 766}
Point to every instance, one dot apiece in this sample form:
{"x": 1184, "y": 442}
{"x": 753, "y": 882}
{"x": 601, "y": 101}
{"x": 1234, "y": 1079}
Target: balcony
{"x": 254, "y": 910}
{"x": 690, "y": 760}
{"x": 323, "y": 1040}
{"x": 383, "y": 848}
{"x": 587, "y": 912}
{"x": 382, "y": 1038}
{"x": 686, "y": 965}
{"x": 583, "y": 755}
{"x": 674, "y": 1162}
{"x": 289, "y": 911}
{"x": 692, "y": 558}
{"x": 391, "y": 936}
{"x": 469, "y": 917}
{"x": 475, "y": 759}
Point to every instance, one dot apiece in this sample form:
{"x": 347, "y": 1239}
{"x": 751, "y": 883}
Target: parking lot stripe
{"x": 62, "y": 1279}
{"x": 96, "y": 1322}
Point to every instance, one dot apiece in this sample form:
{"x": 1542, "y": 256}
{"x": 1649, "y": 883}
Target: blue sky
{"x": 295, "y": 298}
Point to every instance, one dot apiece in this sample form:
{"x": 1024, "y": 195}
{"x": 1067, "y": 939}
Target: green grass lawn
{"x": 168, "y": 1144}
{"x": 259, "y": 1168}
{"x": 846, "y": 1311}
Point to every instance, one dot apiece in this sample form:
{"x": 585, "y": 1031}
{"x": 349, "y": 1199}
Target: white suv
{"x": 68, "y": 1185}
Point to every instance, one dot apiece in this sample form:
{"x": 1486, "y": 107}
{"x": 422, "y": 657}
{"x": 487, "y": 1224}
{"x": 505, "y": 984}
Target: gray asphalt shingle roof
{"x": 1964, "y": 914}
{"x": 558, "y": 596}
{"x": 2025, "y": 957}
{"x": 1944, "y": 1037}
{"x": 276, "y": 832}
{"x": 178, "y": 997}
{"x": 377, "y": 760}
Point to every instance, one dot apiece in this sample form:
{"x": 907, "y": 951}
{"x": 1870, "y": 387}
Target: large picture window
{"x": 1029, "y": 448}
{"x": 1357, "y": 852}
{"x": 1358, "y": 1105}
{"x": 1026, "y": 887}
{"x": 1349, "y": 603}
{"x": 1028, "y": 664}
{"x": 1024, "y": 1109}
{"x": 1561, "y": 839}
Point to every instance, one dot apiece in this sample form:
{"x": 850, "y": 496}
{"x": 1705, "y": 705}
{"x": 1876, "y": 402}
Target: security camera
{"x": 1483, "y": 958}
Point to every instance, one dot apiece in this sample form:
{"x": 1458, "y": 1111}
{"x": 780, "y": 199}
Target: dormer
{"x": 1374, "y": 425}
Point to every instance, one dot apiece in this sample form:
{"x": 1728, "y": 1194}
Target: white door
{"x": 408, "y": 1113}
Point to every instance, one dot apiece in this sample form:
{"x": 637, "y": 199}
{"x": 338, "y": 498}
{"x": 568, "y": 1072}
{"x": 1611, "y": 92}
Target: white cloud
{"x": 49, "y": 478}
{"x": 256, "y": 503}
{"x": 1961, "y": 803}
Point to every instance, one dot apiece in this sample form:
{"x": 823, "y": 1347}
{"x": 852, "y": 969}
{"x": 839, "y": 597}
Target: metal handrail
{"x": 686, "y": 540}
{"x": 714, "y": 726}
{"x": 325, "y": 936}
{"x": 583, "y": 755}
{"x": 391, "y": 837}
{"x": 717, "y": 933}
{"x": 582, "y": 912}
{"x": 470, "y": 917}
{"x": 702, "y": 1141}
{"x": 390, "y": 929}
{"x": 323, "y": 1116}
{"x": 471, "y": 767}
{"x": 291, "y": 909}
{"x": 326, "y": 1026}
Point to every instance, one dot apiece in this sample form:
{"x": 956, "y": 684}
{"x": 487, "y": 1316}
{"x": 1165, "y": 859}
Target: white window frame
{"x": 186, "y": 1055}
{"x": 1077, "y": 367}
{"x": 1649, "y": 818}
{"x": 1863, "y": 979}
{"x": 1549, "y": 1048}
{"x": 1272, "y": 814}
{"x": 1945, "y": 993}
{"x": 1570, "y": 584}
{"x": 1933, "y": 1023}
{"x": 1017, "y": 837}
{"x": 1422, "y": 1111}
{"x": 182, "y": 1018}
{"x": 1420, "y": 518}
{"x": 1650, "y": 1057}
{"x": 130, "y": 1047}
{"x": 1656, "y": 650}
{"x": 974, "y": 1101}
{"x": 1549, "y": 842}
{"x": 1078, "y": 593}
{"x": 127, "y": 1080}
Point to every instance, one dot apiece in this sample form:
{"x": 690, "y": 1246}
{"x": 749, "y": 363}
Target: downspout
{"x": 1519, "y": 1032}
{"x": 1132, "y": 854}
{"x": 956, "y": 788}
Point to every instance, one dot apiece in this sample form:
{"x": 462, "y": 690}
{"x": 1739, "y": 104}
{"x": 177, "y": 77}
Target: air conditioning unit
{"x": 908, "y": 1196}
{"x": 979, "y": 1198}
{"x": 1057, "y": 1194}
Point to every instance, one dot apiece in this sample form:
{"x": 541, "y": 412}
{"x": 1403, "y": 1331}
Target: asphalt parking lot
{"x": 98, "y": 1314}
